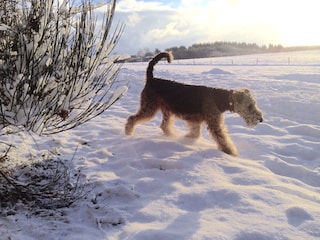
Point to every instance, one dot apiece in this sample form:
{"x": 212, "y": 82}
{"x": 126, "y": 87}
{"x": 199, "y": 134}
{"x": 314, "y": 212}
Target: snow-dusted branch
{"x": 56, "y": 68}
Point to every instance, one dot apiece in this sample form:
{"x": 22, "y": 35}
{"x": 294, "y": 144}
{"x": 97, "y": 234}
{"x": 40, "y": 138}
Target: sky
{"x": 153, "y": 24}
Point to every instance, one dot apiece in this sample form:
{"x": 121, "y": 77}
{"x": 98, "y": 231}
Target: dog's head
{"x": 246, "y": 106}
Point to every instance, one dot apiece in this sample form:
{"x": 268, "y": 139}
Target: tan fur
{"x": 194, "y": 104}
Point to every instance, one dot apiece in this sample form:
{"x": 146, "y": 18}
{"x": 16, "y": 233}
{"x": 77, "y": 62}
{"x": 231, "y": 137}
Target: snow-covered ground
{"x": 149, "y": 186}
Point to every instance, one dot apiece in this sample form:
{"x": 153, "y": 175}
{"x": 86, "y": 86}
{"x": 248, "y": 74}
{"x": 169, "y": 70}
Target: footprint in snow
{"x": 199, "y": 201}
{"x": 296, "y": 216}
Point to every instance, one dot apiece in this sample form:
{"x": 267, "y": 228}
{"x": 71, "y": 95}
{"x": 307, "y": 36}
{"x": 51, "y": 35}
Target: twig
{"x": 12, "y": 183}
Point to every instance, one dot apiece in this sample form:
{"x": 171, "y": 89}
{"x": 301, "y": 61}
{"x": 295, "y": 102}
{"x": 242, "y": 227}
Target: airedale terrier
{"x": 195, "y": 105}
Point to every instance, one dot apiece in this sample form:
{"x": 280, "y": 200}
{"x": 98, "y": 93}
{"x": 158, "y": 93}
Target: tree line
{"x": 220, "y": 49}
{"x": 215, "y": 49}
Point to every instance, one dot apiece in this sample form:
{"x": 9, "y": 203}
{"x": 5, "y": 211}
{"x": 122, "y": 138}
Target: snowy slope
{"x": 153, "y": 187}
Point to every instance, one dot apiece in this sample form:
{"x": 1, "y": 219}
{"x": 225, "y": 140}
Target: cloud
{"x": 134, "y": 5}
{"x": 133, "y": 20}
{"x": 160, "y": 24}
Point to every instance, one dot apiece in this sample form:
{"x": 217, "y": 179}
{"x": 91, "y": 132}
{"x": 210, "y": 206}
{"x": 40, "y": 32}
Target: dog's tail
{"x": 155, "y": 60}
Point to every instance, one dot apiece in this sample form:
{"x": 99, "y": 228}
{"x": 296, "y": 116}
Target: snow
{"x": 4, "y": 27}
{"x": 149, "y": 186}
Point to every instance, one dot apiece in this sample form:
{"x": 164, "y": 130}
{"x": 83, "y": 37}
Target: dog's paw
{"x": 192, "y": 135}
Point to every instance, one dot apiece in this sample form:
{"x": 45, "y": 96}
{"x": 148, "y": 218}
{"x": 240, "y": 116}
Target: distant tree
{"x": 56, "y": 67}
{"x": 156, "y": 51}
{"x": 218, "y": 49}
{"x": 270, "y": 47}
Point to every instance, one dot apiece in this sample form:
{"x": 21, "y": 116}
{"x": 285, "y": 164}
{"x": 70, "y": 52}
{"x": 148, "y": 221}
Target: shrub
{"x": 56, "y": 67}
{"x": 57, "y": 71}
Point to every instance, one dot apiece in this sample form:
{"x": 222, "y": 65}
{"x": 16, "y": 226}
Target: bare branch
{"x": 56, "y": 67}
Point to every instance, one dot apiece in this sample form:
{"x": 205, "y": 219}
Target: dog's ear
{"x": 246, "y": 90}
{"x": 239, "y": 96}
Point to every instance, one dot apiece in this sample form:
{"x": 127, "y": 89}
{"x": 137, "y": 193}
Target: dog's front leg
{"x": 220, "y": 134}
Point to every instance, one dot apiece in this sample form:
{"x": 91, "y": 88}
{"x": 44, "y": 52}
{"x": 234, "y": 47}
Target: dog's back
{"x": 180, "y": 98}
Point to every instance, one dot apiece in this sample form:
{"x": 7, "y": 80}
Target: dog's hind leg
{"x": 220, "y": 134}
{"x": 167, "y": 123}
{"x": 194, "y": 129}
{"x": 146, "y": 112}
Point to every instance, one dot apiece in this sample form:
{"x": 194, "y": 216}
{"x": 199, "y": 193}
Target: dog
{"x": 195, "y": 105}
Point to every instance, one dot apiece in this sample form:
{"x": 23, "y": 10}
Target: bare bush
{"x": 50, "y": 184}
{"x": 57, "y": 71}
{"x": 56, "y": 67}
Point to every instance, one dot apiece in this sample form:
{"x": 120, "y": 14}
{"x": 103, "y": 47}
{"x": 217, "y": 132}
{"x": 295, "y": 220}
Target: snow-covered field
{"x": 153, "y": 187}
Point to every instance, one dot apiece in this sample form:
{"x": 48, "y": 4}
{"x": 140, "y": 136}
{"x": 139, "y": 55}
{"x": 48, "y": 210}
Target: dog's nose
{"x": 261, "y": 119}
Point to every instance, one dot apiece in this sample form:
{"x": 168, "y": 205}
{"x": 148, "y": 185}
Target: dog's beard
{"x": 252, "y": 120}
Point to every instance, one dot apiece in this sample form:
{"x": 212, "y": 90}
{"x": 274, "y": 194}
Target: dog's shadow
{"x": 187, "y": 140}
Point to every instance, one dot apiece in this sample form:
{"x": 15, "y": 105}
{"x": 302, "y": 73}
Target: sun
{"x": 297, "y": 22}
{"x": 289, "y": 23}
